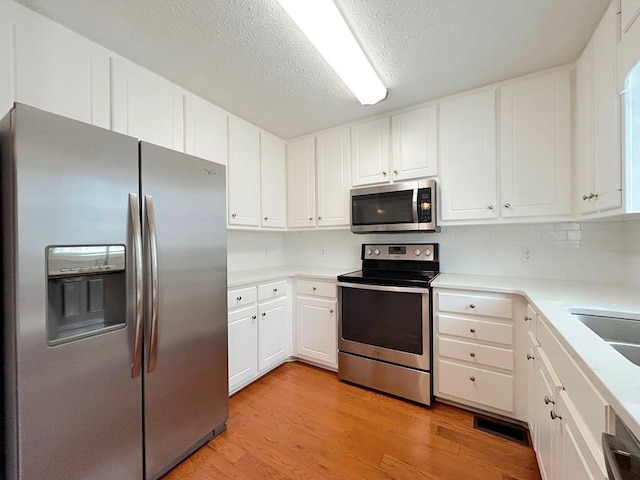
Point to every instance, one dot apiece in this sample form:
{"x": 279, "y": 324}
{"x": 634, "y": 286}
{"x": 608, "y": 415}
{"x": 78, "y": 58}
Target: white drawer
{"x": 272, "y": 290}
{"x": 476, "y": 385}
{"x": 476, "y": 329}
{"x": 591, "y": 405}
{"x": 486, "y": 305}
{"x": 476, "y": 354}
{"x": 316, "y": 288}
{"x": 241, "y": 297}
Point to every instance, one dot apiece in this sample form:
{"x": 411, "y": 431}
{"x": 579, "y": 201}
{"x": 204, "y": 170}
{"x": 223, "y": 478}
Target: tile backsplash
{"x": 607, "y": 251}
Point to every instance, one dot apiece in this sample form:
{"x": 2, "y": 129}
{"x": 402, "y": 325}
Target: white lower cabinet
{"x": 316, "y": 322}
{"x": 259, "y": 331}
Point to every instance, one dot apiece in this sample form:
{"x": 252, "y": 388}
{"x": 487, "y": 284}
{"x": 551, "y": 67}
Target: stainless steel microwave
{"x": 400, "y": 207}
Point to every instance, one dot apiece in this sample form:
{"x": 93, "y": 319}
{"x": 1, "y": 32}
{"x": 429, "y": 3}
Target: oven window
{"x": 385, "y": 319}
{"x": 383, "y": 208}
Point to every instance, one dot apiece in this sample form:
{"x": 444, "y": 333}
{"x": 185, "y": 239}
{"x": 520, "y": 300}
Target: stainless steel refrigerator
{"x": 114, "y": 301}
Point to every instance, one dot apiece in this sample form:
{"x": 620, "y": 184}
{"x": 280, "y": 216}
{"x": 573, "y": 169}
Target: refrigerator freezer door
{"x": 185, "y": 387}
{"x": 74, "y": 410}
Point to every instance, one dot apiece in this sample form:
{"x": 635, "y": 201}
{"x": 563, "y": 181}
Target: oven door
{"x": 392, "y": 324}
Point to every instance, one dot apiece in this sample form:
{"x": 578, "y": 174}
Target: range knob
{"x": 417, "y": 252}
{"x": 376, "y": 251}
{"x": 369, "y": 252}
{"x": 427, "y": 252}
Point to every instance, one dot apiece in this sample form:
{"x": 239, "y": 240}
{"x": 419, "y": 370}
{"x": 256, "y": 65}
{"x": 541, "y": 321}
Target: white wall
{"x": 593, "y": 251}
{"x": 632, "y": 251}
{"x": 247, "y": 250}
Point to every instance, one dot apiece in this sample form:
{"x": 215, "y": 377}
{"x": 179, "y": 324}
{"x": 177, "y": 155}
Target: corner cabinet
{"x": 468, "y": 158}
{"x": 370, "y": 152}
{"x": 273, "y": 191}
{"x": 414, "y": 144}
{"x": 333, "y": 179}
{"x": 316, "y": 322}
{"x": 535, "y": 146}
{"x": 243, "y": 173}
{"x": 301, "y": 181}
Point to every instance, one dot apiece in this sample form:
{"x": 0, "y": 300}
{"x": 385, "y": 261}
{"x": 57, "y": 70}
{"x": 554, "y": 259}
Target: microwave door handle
{"x": 134, "y": 210}
{"x": 414, "y": 201}
{"x": 155, "y": 299}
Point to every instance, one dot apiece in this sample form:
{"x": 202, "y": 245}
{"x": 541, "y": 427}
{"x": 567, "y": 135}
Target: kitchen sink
{"x": 621, "y": 333}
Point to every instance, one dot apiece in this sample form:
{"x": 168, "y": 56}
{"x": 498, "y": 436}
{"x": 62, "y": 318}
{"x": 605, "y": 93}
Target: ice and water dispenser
{"x": 86, "y": 291}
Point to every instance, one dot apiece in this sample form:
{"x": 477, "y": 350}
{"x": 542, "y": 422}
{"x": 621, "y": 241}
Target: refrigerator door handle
{"x": 134, "y": 209}
{"x": 153, "y": 250}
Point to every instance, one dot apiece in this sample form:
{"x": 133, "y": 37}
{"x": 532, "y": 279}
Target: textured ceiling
{"x": 247, "y": 56}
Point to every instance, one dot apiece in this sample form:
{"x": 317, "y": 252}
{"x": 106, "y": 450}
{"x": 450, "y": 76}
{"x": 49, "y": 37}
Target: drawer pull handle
{"x": 264, "y": 314}
{"x": 253, "y": 317}
{"x": 266, "y": 218}
{"x": 530, "y": 357}
{"x": 554, "y": 415}
{"x": 472, "y": 305}
{"x": 238, "y": 298}
{"x": 313, "y": 288}
{"x": 547, "y": 400}
{"x": 473, "y": 379}
{"x": 472, "y": 330}
{"x": 472, "y": 354}
{"x": 526, "y": 318}
{"x": 275, "y": 290}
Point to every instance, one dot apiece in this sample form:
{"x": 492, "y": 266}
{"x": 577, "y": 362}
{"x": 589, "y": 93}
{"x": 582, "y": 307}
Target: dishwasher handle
{"x": 621, "y": 457}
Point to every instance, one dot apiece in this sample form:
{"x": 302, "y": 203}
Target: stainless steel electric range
{"x": 384, "y": 326}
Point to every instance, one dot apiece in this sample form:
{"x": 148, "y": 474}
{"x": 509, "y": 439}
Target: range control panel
{"x": 407, "y": 251}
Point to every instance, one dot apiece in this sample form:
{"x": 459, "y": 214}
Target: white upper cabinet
{"x": 273, "y": 188}
{"x": 243, "y": 173}
{"x": 54, "y": 69}
{"x": 147, "y": 106}
{"x": 301, "y": 183}
{"x": 598, "y": 158}
{"x": 535, "y": 147}
{"x": 628, "y": 51}
{"x": 414, "y": 144}
{"x": 332, "y": 168}
{"x": 370, "y": 152}
{"x": 205, "y": 129}
{"x": 468, "y": 161}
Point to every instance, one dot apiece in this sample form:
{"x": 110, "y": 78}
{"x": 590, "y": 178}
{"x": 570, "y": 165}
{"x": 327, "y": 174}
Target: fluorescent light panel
{"x": 322, "y": 23}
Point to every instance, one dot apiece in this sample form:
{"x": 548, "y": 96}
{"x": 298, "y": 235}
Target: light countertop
{"x": 243, "y": 277}
{"x": 617, "y": 379}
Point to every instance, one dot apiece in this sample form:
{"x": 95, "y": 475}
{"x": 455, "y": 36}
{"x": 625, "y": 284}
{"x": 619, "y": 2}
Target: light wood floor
{"x": 300, "y": 422}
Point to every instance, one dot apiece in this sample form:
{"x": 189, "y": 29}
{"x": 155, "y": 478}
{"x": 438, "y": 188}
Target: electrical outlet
{"x": 526, "y": 254}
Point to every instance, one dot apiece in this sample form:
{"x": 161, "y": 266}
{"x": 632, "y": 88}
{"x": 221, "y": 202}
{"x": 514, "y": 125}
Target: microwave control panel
{"x": 424, "y": 205}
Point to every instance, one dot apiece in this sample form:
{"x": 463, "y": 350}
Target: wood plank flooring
{"x": 301, "y": 422}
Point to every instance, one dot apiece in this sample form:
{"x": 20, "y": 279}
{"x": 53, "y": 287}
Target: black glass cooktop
{"x": 389, "y": 278}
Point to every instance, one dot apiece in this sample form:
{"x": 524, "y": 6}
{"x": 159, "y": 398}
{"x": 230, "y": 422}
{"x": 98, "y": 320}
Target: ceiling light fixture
{"x": 324, "y": 26}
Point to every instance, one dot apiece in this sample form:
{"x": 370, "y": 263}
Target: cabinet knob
{"x": 266, "y": 218}
{"x": 594, "y": 195}
{"x": 547, "y": 400}
{"x": 554, "y": 415}
{"x": 530, "y": 357}
{"x": 264, "y": 314}
{"x": 473, "y": 379}
{"x": 395, "y": 172}
{"x": 585, "y": 197}
{"x": 331, "y": 311}
{"x": 253, "y": 317}
{"x": 472, "y": 330}
{"x": 319, "y": 218}
{"x": 234, "y": 215}
{"x": 238, "y": 298}
{"x": 472, "y": 354}
{"x": 310, "y": 218}
{"x": 384, "y": 174}
{"x": 507, "y": 205}
{"x": 275, "y": 290}
{"x": 313, "y": 288}
{"x": 472, "y": 305}
{"x": 527, "y": 318}
{"x": 490, "y": 207}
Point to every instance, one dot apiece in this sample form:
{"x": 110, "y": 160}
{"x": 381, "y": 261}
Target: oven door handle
{"x": 383, "y": 288}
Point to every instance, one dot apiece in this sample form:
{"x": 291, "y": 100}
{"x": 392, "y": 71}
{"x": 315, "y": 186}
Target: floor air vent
{"x": 502, "y": 429}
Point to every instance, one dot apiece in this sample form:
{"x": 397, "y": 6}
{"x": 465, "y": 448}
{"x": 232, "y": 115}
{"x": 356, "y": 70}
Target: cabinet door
{"x": 468, "y": 158}
{"x": 273, "y": 333}
{"x": 147, "y": 106}
{"x": 584, "y": 131}
{"x": 414, "y": 144}
{"x": 370, "y": 152}
{"x": 243, "y": 347}
{"x": 547, "y": 385}
{"x": 535, "y": 132}
{"x": 243, "y": 173}
{"x": 317, "y": 330}
{"x": 205, "y": 129}
{"x": 55, "y": 69}
{"x": 579, "y": 456}
{"x": 332, "y": 166}
{"x": 301, "y": 182}
{"x": 607, "y": 161}
{"x": 273, "y": 173}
